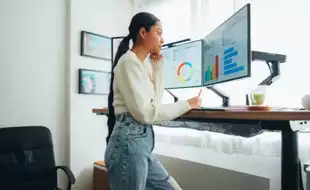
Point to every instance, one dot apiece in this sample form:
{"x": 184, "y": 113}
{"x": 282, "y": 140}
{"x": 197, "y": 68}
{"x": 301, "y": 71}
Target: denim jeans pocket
{"x": 112, "y": 152}
{"x": 137, "y": 130}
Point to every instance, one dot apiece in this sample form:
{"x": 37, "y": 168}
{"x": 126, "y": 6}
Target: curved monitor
{"x": 182, "y": 65}
{"x": 227, "y": 50}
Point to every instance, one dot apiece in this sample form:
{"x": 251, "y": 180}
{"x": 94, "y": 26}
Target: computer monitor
{"x": 182, "y": 65}
{"x": 227, "y": 50}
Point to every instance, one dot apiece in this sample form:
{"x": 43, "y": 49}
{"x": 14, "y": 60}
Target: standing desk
{"x": 269, "y": 120}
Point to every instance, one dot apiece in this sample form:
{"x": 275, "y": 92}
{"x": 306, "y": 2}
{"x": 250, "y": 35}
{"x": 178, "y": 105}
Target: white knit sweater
{"x": 137, "y": 92}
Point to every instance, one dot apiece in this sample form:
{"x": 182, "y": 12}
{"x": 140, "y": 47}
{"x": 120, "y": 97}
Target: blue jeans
{"x": 128, "y": 158}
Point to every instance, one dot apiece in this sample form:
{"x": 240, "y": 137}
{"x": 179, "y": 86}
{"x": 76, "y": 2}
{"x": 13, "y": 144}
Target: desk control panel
{"x": 302, "y": 126}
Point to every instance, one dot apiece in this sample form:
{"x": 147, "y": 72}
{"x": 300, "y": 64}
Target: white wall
{"x": 36, "y": 73}
{"x": 88, "y": 131}
{"x": 213, "y": 177}
{"x": 33, "y": 68}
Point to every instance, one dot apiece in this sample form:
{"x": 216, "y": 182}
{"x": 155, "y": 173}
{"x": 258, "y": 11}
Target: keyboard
{"x": 210, "y": 109}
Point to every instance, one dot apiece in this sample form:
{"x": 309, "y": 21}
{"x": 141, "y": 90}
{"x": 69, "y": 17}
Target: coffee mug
{"x": 257, "y": 96}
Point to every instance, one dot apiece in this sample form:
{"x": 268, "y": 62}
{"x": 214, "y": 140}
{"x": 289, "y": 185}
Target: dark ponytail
{"x": 122, "y": 49}
{"x": 140, "y": 20}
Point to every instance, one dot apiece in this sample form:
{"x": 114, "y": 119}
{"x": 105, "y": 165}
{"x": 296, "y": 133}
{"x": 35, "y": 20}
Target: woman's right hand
{"x": 196, "y": 101}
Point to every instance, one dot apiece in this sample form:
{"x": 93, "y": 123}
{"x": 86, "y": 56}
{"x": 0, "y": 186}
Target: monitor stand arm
{"x": 274, "y": 75}
{"x": 174, "y": 97}
{"x": 225, "y": 98}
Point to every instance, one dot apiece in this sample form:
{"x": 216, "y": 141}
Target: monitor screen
{"x": 182, "y": 65}
{"x": 227, "y": 51}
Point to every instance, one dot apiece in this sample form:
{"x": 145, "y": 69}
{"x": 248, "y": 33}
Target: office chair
{"x": 27, "y": 159}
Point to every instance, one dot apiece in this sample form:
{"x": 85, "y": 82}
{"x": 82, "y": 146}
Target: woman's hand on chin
{"x": 156, "y": 57}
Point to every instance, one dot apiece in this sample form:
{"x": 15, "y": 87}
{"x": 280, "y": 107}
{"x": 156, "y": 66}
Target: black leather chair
{"x": 27, "y": 159}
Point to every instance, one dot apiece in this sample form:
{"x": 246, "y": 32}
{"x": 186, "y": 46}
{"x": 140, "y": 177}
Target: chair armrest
{"x": 306, "y": 165}
{"x": 69, "y": 174}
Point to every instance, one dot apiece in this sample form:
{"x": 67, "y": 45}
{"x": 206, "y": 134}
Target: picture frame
{"x": 94, "y": 82}
{"x": 95, "y": 45}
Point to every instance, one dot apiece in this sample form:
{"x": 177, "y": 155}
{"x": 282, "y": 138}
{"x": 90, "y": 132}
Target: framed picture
{"x": 94, "y": 82}
{"x": 95, "y": 45}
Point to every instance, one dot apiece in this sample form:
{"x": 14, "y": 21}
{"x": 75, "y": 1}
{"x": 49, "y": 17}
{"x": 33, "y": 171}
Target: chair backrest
{"x": 27, "y": 158}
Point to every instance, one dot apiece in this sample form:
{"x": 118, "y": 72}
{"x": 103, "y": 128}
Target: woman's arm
{"x": 129, "y": 78}
{"x": 158, "y": 78}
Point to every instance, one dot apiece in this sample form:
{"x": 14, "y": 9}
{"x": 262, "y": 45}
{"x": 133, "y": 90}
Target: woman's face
{"x": 153, "y": 39}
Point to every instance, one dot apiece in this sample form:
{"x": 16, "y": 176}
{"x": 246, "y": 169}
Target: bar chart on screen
{"x": 212, "y": 72}
{"x": 231, "y": 66}
{"x": 224, "y": 64}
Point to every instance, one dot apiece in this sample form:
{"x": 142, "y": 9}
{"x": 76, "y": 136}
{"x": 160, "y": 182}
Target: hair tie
{"x": 129, "y": 36}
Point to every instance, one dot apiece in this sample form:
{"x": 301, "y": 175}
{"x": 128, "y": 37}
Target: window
{"x": 174, "y": 15}
{"x": 280, "y": 27}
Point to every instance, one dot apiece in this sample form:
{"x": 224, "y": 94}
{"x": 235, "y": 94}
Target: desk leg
{"x": 290, "y": 160}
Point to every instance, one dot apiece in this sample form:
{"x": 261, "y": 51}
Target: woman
{"x": 134, "y": 105}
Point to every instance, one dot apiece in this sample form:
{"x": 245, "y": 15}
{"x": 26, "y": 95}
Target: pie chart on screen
{"x": 185, "y": 72}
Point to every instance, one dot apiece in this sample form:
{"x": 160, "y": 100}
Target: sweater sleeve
{"x": 130, "y": 81}
{"x": 157, "y": 68}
